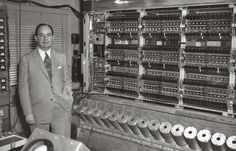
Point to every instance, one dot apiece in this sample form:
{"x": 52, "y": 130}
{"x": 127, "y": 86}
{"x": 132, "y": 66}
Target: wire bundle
{"x": 190, "y": 134}
{"x": 96, "y": 114}
{"x": 143, "y": 126}
{"x": 88, "y": 115}
{"x": 204, "y": 139}
{"x": 113, "y": 117}
{"x": 104, "y": 117}
{"x": 132, "y": 122}
{"x": 177, "y": 133}
{"x": 218, "y": 142}
{"x": 153, "y": 127}
{"x": 231, "y": 143}
{"x": 165, "y": 129}
{"x": 123, "y": 118}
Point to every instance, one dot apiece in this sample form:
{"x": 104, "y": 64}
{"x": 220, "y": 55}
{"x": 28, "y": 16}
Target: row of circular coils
{"x": 201, "y": 140}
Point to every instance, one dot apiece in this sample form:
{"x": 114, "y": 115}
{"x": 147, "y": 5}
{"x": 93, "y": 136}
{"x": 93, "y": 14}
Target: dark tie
{"x": 47, "y": 63}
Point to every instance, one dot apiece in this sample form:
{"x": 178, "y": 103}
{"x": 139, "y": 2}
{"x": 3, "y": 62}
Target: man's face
{"x": 44, "y": 38}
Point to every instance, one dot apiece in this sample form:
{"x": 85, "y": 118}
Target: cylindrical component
{"x": 218, "y": 142}
{"x": 113, "y": 117}
{"x": 143, "y": 126}
{"x": 231, "y": 143}
{"x": 204, "y": 139}
{"x": 88, "y": 115}
{"x": 123, "y": 118}
{"x": 96, "y": 116}
{"x": 104, "y": 117}
{"x": 154, "y": 129}
{"x": 79, "y": 109}
{"x": 1, "y": 120}
{"x": 177, "y": 133}
{"x": 165, "y": 129}
{"x": 132, "y": 122}
{"x": 190, "y": 134}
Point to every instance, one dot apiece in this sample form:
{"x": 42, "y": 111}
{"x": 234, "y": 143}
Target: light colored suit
{"x": 38, "y": 94}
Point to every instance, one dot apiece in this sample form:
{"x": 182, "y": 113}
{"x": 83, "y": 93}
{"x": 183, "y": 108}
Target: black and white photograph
{"x": 117, "y": 75}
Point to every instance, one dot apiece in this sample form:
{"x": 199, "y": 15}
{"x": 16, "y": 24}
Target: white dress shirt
{"x": 42, "y": 53}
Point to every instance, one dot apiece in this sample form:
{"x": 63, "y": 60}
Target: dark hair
{"x": 43, "y": 24}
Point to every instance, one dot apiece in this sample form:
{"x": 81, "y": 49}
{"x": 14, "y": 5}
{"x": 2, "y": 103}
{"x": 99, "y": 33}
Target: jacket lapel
{"x": 40, "y": 63}
{"x": 54, "y": 64}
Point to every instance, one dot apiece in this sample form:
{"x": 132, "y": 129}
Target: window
{"x": 22, "y": 21}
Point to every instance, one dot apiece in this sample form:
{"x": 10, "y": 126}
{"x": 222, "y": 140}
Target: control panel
{"x": 11, "y": 141}
{"x": 4, "y": 67}
{"x": 207, "y": 57}
{"x": 4, "y": 61}
{"x": 160, "y": 55}
{"x": 163, "y": 72}
{"x": 123, "y": 53}
{"x": 178, "y": 56}
{"x": 97, "y": 46}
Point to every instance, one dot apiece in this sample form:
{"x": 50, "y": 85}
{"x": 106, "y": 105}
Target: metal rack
{"x": 182, "y": 56}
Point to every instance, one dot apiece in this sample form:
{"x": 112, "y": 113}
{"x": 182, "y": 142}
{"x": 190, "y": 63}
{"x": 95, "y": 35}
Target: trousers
{"x": 60, "y": 124}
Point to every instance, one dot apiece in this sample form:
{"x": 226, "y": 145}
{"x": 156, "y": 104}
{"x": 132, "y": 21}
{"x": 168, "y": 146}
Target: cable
{"x": 89, "y": 137}
{"x": 76, "y": 13}
{"x": 12, "y": 127}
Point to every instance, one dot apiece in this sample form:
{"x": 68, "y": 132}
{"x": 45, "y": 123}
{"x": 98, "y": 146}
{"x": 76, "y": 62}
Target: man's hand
{"x": 67, "y": 90}
{"x": 66, "y": 95}
{"x": 30, "y": 119}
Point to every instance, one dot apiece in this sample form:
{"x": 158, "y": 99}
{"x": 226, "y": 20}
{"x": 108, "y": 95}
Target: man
{"x": 44, "y": 85}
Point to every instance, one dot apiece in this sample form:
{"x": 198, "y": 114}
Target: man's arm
{"x": 24, "y": 91}
{"x": 67, "y": 80}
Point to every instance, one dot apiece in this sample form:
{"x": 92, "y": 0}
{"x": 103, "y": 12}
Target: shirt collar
{"x": 42, "y": 53}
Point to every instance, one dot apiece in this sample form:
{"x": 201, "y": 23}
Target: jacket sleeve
{"x": 24, "y": 86}
{"x": 67, "y": 79}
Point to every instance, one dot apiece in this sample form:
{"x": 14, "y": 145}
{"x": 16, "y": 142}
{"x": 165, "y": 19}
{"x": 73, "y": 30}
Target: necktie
{"x": 47, "y": 63}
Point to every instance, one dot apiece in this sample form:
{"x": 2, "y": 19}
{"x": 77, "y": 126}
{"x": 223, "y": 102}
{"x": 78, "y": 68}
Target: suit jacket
{"x": 37, "y": 92}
